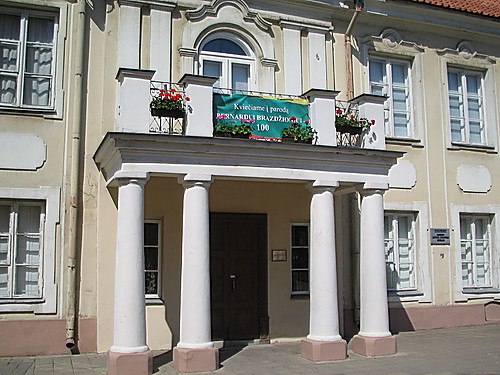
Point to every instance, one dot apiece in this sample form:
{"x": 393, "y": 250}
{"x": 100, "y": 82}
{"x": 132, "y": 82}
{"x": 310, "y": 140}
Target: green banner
{"x": 267, "y": 115}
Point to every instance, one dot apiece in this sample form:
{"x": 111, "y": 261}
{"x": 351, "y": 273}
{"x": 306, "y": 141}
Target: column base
{"x": 321, "y": 351}
{"x": 196, "y": 360}
{"x": 373, "y": 346}
{"x": 130, "y": 363}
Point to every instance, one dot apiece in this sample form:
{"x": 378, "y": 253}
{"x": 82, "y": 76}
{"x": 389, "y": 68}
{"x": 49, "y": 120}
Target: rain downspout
{"x": 72, "y": 261}
{"x": 348, "y": 49}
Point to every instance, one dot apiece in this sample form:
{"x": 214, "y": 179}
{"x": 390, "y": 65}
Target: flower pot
{"x": 164, "y": 112}
{"x": 349, "y": 129}
{"x": 223, "y": 134}
{"x": 240, "y": 135}
{"x": 287, "y": 139}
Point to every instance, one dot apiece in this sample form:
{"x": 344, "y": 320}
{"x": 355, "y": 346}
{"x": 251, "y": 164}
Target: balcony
{"x": 203, "y": 111}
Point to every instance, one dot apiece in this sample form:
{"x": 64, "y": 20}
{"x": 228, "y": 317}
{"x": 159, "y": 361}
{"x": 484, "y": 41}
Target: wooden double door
{"x": 238, "y": 272}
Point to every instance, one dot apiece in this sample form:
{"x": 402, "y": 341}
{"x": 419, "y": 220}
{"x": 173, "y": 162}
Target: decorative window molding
{"x": 464, "y": 60}
{"x": 46, "y": 59}
{"x": 45, "y": 303}
{"x": 492, "y": 290}
{"x": 299, "y": 255}
{"x": 421, "y": 292}
{"x": 390, "y": 46}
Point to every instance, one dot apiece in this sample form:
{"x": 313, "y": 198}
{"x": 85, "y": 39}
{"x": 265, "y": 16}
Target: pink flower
{"x": 307, "y": 122}
{"x": 293, "y": 118}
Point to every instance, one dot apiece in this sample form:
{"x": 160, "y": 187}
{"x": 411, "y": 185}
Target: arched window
{"x": 230, "y": 60}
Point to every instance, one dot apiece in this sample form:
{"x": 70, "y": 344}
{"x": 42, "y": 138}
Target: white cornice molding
{"x": 467, "y": 52}
{"x": 158, "y": 4}
{"x": 212, "y": 10}
{"x": 392, "y": 40}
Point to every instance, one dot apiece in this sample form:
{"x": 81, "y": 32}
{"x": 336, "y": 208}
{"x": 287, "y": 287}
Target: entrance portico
{"x": 326, "y": 171}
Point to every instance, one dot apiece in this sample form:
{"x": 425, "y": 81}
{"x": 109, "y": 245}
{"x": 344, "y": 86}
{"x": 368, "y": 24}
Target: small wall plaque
{"x": 440, "y": 236}
{"x": 279, "y": 255}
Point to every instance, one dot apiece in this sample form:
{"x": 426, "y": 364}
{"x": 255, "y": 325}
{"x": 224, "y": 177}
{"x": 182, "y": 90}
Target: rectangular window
{"x": 300, "y": 258}
{"x": 21, "y": 228}
{"x": 152, "y": 249}
{"x": 466, "y": 104}
{"x": 475, "y": 250}
{"x": 391, "y": 78}
{"x": 399, "y": 239}
{"x": 27, "y": 59}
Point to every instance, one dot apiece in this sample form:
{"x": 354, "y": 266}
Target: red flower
{"x": 373, "y": 122}
{"x": 172, "y": 90}
{"x": 307, "y": 122}
{"x": 339, "y": 111}
{"x": 293, "y": 118}
{"x": 352, "y": 116}
{"x": 187, "y": 98}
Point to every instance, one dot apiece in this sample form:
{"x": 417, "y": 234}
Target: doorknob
{"x": 233, "y": 281}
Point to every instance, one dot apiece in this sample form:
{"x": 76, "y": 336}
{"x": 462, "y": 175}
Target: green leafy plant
{"x": 299, "y": 132}
{"x": 224, "y": 125}
{"x": 170, "y": 99}
{"x": 349, "y": 119}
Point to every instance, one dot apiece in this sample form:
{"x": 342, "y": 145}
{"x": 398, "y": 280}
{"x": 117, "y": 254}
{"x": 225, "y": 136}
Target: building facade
{"x": 124, "y": 231}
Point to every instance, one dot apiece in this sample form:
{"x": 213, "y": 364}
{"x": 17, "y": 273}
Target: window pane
{"x": 240, "y": 77}
{"x": 29, "y": 219}
{"x": 26, "y": 281}
{"x": 377, "y": 89}
{"x": 467, "y": 274}
{"x": 9, "y": 27}
{"x": 399, "y": 74}
{"x": 456, "y": 108}
{"x": 392, "y": 276}
{"x": 28, "y": 250}
{"x": 4, "y": 219}
{"x": 456, "y": 130}
{"x": 151, "y": 234}
{"x": 300, "y": 235}
{"x": 4, "y": 249}
{"x": 300, "y": 258}
{"x": 39, "y": 60}
{"x": 400, "y": 124}
{"x": 8, "y": 57}
{"x": 8, "y": 87}
{"x": 400, "y": 99}
{"x": 40, "y": 30}
{"x": 4, "y": 290}
{"x": 475, "y": 130}
{"x": 300, "y": 281}
{"x": 376, "y": 71}
{"x": 473, "y": 85}
{"x": 453, "y": 81}
{"x": 212, "y": 69}
{"x": 224, "y": 46}
{"x": 151, "y": 258}
{"x": 36, "y": 91}
{"x": 474, "y": 109}
{"x": 151, "y": 280}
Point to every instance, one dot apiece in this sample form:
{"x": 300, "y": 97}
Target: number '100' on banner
{"x": 267, "y": 115}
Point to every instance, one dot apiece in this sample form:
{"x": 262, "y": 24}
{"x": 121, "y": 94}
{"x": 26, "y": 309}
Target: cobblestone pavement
{"x": 466, "y": 350}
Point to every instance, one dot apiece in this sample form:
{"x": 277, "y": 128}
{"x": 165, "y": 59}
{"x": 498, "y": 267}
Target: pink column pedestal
{"x": 196, "y": 360}
{"x": 373, "y": 346}
{"x": 130, "y": 363}
{"x": 321, "y": 351}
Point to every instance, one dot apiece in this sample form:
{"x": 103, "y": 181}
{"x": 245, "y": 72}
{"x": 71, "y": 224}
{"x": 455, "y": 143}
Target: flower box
{"x": 165, "y": 112}
{"x": 349, "y": 129}
{"x": 287, "y": 139}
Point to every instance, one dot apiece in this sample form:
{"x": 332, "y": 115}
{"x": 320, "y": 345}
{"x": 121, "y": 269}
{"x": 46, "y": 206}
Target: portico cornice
{"x": 120, "y": 153}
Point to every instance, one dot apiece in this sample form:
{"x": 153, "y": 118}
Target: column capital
{"x": 124, "y": 178}
{"x": 322, "y": 185}
{"x": 372, "y": 187}
{"x": 192, "y": 179}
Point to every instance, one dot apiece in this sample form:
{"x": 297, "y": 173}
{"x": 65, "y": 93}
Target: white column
{"x": 373, "y": 287}
{"x": 322, "y": 115}
{"x": 160, "y": 45}
{"x": 129, "y": 35}
{"x": 317, "y": 58}
{"x": 268, "y": 79}
{"x": 130, "y": 314}
{"x": 188, "y": 56}
{"x": 324, "y": 320}
{"x": 292, "y": 52}
{"x": 195, "y": 323}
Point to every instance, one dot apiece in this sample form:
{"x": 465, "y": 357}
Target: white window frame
{"x": 387, "y": 90}
{"x": 46, "y": 303}
{"x": 464, "y": 116}
{"x": 228, "y": 60}
{"x": 155, "y": 296}
{"x": 13, "y": 235}
{"x": 423, "y": 285}
{"x": 308, "y": 248}
{"x": 24, "y": 15}
{"x": 465, "y": 293}
{"x": 413, "y": 245}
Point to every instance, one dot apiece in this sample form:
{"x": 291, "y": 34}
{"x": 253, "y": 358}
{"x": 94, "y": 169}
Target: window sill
{"x": 403, "y": 141}
{"x": 407, "y": 296}
{"x": 471, "y": 147}
{"x": 49, "y": 113}
{"x": 150, "y": 301}
{"x": 300, "y": 296}
{"x": 481, "y": 291}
